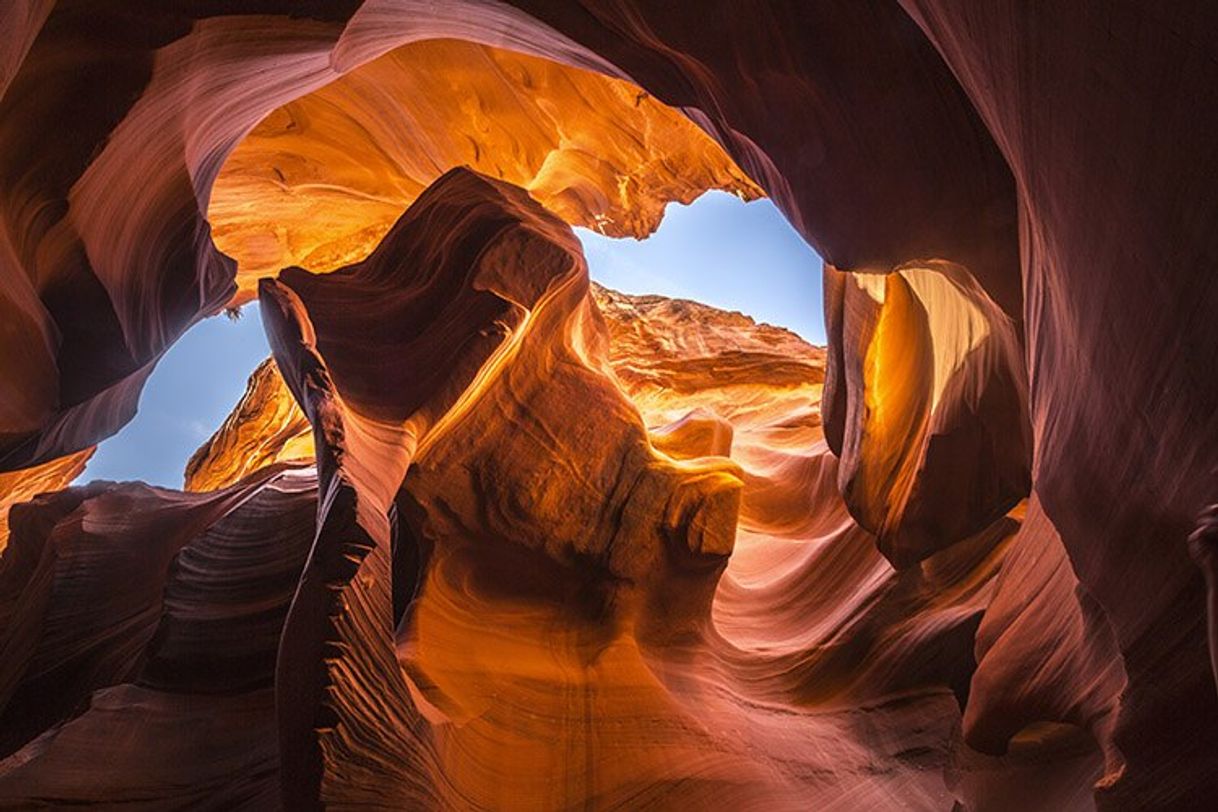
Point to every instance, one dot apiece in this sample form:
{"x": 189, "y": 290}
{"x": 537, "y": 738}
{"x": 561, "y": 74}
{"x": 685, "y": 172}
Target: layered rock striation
{"x": 321, "y": 179}
{"x": 473, "y": 587}
{"x": 1016, "y": 211}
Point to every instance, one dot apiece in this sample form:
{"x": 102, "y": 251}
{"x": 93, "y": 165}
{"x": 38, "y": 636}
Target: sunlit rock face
{"x": 1061, "y": 159}
{"x": 320, "y": 180}
{"x": 477, "y": 337}
{"x": 558, "y": 606}
{"x": 670, "y": 354}
{"x": 266, "y": 426}
{"x": 96, "y": 292}
{"x": 21, "y": 486}
{"x": 926, "y": 406}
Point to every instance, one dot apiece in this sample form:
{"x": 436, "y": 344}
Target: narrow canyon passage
{"x": 546, "y": 654}
{"x": 482, "y": 533}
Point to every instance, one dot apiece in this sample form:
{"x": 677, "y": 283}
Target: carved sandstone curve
{"x": 925, "y": 402}
{"x": 1112, "y": 472}
{"x": 477, "y": 276}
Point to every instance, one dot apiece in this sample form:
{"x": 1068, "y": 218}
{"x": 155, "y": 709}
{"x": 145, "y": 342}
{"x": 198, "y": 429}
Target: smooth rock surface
{"x": 1061, "y": 156}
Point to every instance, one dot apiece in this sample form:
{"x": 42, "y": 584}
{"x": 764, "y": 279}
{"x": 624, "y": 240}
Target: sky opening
{"x": 719, "y": 251}
{"x": 722, "y": 252}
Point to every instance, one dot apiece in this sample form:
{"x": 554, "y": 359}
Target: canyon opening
{"x": 490, "y": 498}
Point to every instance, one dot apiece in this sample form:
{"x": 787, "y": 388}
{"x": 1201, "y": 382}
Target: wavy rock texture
{"x": 320, "y": 180}
{"x": 589, "y": 626}
{"x": 97, "y": 292}
{"x": 266, "y": 426}
{"x": 580, "y": 627}
{"x": 21, "y": 486}
{"x": 440, "y": 304}
{"x": 1045, "y": 652}
{"x": 925, "y": 405}
{"x": 142, "y": 627}
{"x": 83, "y": 582}
{"x": 1060, "y": 156}
{"x": 878, "y": 632}
{"x": 1120, "y": 477}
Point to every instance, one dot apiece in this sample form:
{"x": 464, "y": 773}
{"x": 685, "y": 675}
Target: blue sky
{"x": 718, "y": 250}
{"x": 722, "y": 252}
{"x": 188, "y": 395}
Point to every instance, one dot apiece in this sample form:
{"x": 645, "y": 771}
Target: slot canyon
{"x": 484, "y": 534}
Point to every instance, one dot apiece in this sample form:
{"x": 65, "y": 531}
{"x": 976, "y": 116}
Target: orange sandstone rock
{"x": 266, "y": 426}
{"x": 320, "y": 180}
{"x": 21, "y": 486}
{"x": 1063, "y": 158}
{"x": 926, "y": 403}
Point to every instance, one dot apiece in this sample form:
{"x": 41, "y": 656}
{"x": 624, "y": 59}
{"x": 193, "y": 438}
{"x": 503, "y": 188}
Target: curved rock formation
{"x": 475, "y": 304}
{"x": 926, "y": 406}
{"x": 142, "y": 627}
{"x": 1045, "y": 651}
{"x": 266, "y": 426}
{"x": 21, "y": 486}
{"x": 1201, "y": 544}
{"x": 535, "y": 557}
{"x": 82, "y": 588}
{"x": 1059, "y": 158}
{"x": 320, "y": 180}
{"x": 1120, "y": 476}
{"x": 143, "y": 272}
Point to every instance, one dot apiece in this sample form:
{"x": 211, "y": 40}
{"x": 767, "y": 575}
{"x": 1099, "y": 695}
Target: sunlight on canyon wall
{"x": 267, "y": 426}
{"x": 320, "y": 180}
{"x": 691, "y": 563}
{"x": 564, "y": 547}
{"x": 926, "y": 405}
{"x": 21, "y": 486}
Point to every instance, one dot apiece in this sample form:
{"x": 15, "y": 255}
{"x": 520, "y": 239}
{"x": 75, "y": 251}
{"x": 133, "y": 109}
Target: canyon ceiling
{"x": 484, "y": 535}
